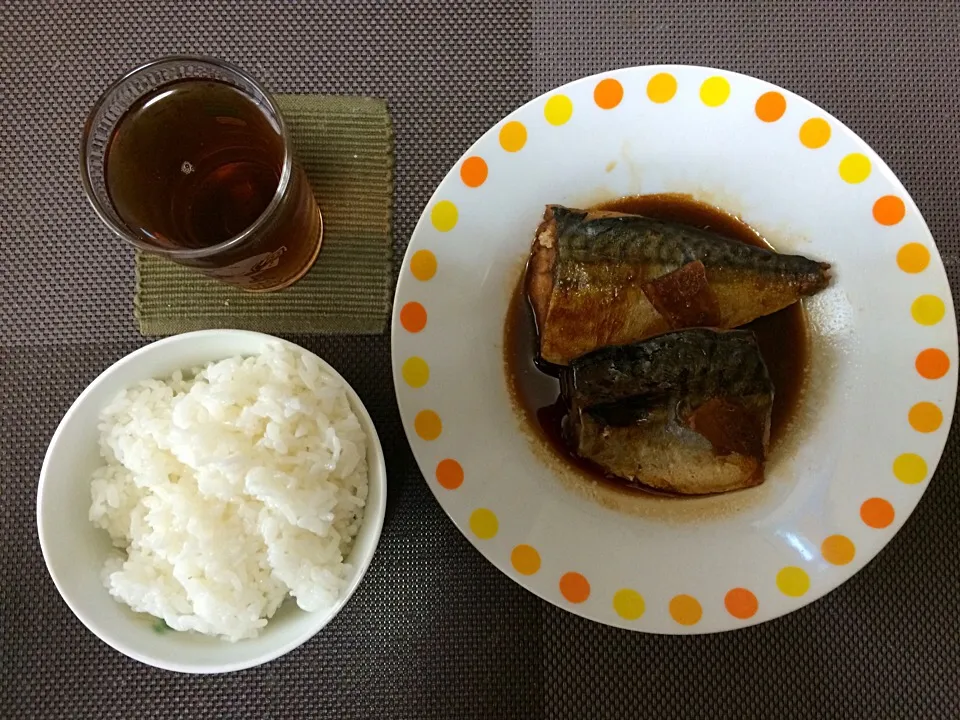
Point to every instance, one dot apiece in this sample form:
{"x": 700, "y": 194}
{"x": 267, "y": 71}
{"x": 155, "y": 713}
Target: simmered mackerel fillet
{"x": 599, "y": 278}
{"x": 687, "y": 412}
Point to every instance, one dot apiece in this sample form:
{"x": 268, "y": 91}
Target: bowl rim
{"x": 377, "y": 517}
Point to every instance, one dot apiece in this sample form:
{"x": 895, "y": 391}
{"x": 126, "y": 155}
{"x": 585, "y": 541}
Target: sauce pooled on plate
{"x": 781, "y": 337}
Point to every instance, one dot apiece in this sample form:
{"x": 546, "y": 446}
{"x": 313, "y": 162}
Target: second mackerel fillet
{"x": 687, "y": 412}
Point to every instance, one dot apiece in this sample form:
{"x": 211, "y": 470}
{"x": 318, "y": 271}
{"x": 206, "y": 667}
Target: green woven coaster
{"x": 345, "y": 144}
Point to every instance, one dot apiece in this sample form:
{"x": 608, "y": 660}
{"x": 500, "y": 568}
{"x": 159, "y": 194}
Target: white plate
{"x": 876, "y": 416}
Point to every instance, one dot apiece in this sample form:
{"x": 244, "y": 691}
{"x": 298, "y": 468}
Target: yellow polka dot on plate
{"x": 427, "y": 424}
{"x": 662, "y": 87}
{"x": 484, "y": 523}
{"x": 513, "y": 136}
{"x": 443, "y": 216}
{"x": 423, "y": 265}
{"x": 913, "y": 258}
{"x": 558, "y": 109}
{"x": 855, "y": 168}
{"x": 815, "y": 133}
{"x": 925, "y": 417}
{"x": 928, "y": 309}
{"x": 715, "y": 91}
{"x": 910, "y": 469}
{"x": 685, "y": 609}
{"x": 793, "y": 581}
{"x": 525, "y": 559}
{"x": 628, "y": 604}
{"x": 415, "y": 372}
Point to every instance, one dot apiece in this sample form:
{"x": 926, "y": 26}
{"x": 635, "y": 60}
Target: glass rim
{"x": 123, "y": 232}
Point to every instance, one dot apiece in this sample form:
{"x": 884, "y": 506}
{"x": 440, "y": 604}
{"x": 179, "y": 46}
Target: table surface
{"x": 435, "y": 630}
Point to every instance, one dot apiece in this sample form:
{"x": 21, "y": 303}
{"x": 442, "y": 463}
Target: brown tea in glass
{"x": 188, "y": 158}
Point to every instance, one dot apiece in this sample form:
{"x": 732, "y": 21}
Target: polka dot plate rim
{"x": 877, "y": 412}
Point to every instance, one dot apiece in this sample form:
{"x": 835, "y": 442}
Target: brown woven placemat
{"x": 435, "y": 631}
{"x": 345, "y": 144}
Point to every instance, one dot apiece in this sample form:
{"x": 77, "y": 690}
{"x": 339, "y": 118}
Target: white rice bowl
{"x": 229, "y": 489}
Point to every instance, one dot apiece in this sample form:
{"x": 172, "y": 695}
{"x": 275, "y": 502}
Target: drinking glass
{"x": 189, "y": 158}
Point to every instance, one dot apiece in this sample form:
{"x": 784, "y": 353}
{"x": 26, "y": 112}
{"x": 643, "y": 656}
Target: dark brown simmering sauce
{"x": 782, "y": 337}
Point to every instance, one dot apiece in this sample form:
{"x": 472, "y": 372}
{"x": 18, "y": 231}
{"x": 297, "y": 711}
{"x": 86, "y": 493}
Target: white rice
{"x": 229, "y": 490}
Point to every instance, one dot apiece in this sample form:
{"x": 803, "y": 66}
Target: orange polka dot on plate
{"x": 913, "y": 258}
{"x": 574, "y": 587}
{"x": 771, "y": 106}
{"x": 854, "y": 168}
{"x": 427, "y": 424}
{"x": 415, "y": 372}
{"x": 484, "y": 523}
{"x": 473, "y": 171}
{"x": 910, "y": 469}
{"x": 525, "y": 559}
{"x": 925, "y": 417}
{"x": 608, "y": 93}
{"x": 413, "y": 317}
{"x": 932, "y": 363}
{"x": 423, "y": 265}
{"x": 513, "y": 136}
{"x": 662, "y": 87}
{"x": 449, "y": 474}
{"x": 838, "y": 550}
{"x": 793, "y": 581}
{"x": 558, "y": 110}
{"x": 629, "y": 604}
{"x": 685, "y": 609}
{"x": 815, "y": 133}
{"x": 928, "y": 309}
{"x": 889, "y": 210}
{"x": 876, "y": 513}
{"x": 443, "y": 216}
{"x": 741, "y": 603}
